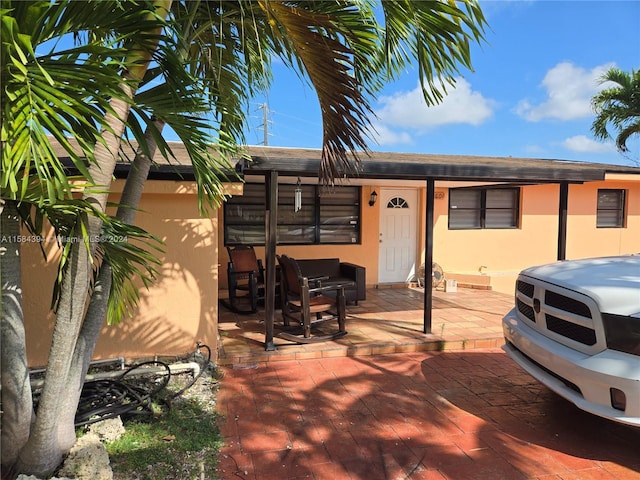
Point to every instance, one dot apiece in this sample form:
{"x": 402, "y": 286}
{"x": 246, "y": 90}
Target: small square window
{"x": 611, "y": 208}
{"x": 483, "y": 208}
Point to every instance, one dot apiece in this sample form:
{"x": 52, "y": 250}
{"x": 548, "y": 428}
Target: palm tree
{"x": 172, "y": 103}
{"x": 65, "y": 92}
{"x": 40, "y": 455}
{"x": 338, "y": 46}
{"x": 618, "y": 105}
{"x": 58, "y": 94}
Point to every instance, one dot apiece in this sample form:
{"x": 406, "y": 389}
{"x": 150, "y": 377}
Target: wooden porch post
{"x": 428, "y": 256}
{"x": 270, "y": 226}
{"x": 562, "y": 221}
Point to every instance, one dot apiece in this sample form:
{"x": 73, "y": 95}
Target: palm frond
{"x": 178, "y": 107}
{"x": 49, "y": 92}
{"x": 618, "y": 106}
{"x": 225, "y": 46}
{"x": 437, "y": 35}
{"x": 132, "y": 256}
{"x": 311, "y": 41}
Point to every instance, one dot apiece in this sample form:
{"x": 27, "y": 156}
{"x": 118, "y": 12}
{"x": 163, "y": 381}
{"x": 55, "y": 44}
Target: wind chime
{"x": 297, "y": 198}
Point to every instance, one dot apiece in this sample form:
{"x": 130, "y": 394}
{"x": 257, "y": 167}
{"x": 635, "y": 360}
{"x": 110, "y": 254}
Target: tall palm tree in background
{"x": 618, "y": 106}
{"x": 225, "y": 47}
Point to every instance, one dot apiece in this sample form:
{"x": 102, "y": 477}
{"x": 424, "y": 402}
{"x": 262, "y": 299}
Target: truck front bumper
{"x": 585, "y": 380}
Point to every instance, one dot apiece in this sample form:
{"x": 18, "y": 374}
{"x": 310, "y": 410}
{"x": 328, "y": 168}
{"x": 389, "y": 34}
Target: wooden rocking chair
{"x": 245, "y": 273}
{"x": 307, "y": 306}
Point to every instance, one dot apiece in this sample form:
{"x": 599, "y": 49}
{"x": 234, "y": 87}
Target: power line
{"x": 268, "y": 124}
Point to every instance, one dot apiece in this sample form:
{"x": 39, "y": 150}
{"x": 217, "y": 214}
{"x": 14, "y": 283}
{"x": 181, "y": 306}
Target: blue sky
{"x": 528, "y": 96}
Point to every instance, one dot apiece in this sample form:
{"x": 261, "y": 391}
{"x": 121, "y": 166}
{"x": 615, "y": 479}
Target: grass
{"x": 181, "y": 442}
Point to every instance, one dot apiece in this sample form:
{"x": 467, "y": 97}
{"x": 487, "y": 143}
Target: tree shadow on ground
{"x": 459, "y": 415}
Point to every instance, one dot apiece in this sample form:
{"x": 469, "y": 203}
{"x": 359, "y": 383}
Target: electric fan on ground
{"x": 437, "y": 275}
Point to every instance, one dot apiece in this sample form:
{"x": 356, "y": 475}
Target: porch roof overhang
{"x": 411, "y": 167}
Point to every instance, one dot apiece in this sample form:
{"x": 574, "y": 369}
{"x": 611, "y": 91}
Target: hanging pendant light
{"x": 297, "y": 199}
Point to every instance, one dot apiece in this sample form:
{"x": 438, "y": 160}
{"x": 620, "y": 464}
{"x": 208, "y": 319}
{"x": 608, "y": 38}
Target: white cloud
{"x": 569, "y": 89}
{"x": 409, "y": 110}
{"x": 384, "y": 135}
{"x": 584, "y": 144}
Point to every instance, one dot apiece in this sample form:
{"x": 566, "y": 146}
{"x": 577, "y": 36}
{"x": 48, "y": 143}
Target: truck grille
{"x": 526, "y": 310}
{"x": 525, "y": 288}
{"x": 584, "y": 335}
{"x": 567, "y": 304}
{"x": 555, "y": 311}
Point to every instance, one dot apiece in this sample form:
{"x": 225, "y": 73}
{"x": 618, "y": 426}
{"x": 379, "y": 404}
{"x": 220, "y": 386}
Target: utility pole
{"x": 265, "y": 124}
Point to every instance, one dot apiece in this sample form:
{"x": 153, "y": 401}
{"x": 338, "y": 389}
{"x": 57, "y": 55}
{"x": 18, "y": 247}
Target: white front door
{"x": 398, "y": 236}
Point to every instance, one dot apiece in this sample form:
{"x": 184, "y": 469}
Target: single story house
{"x": 482, "y": 219}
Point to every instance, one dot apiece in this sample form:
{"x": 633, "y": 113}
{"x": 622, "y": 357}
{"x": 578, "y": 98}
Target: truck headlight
{"x": 622, "y": 333}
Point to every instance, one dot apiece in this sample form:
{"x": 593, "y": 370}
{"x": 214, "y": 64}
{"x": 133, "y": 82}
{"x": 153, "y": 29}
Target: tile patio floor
{"x": 451, "y": 415}
{"x": 390, "y": 320}
{"x": 358, "y": 411}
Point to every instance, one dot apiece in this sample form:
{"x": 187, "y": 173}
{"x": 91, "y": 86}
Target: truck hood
{"x": 612, "y": 282}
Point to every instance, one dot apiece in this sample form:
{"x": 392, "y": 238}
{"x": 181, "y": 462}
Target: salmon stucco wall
{"x": 177, "y": 311}
{"x": 500, "y": 254}
{"x": 181, "y": 308}
{"x": 584, "y": 239}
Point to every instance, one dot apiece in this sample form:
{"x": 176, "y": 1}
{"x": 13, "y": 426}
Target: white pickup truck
{"x": 575, "y": 327}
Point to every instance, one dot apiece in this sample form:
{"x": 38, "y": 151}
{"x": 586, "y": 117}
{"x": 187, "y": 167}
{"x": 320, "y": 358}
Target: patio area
{"x": 390, "y": 320}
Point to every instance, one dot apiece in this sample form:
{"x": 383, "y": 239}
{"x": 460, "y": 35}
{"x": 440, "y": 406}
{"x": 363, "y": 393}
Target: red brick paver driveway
{"x": 458, "y": 415}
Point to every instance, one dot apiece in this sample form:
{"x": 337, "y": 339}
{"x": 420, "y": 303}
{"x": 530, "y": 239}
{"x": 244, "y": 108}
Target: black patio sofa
{"x": 336, "y": 272}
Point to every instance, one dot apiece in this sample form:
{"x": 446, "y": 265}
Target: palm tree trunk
{"x": 96, "y": 312}
{"x": 44, "y": 450}
{"x": 17, "y": 405}
{"x": 50, "y": 439}
{"x": 137, "y": 176}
